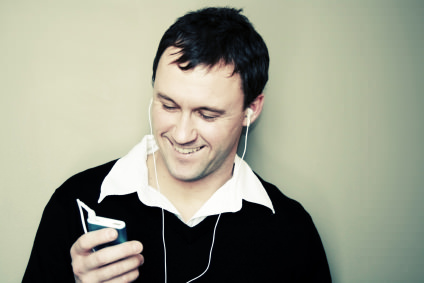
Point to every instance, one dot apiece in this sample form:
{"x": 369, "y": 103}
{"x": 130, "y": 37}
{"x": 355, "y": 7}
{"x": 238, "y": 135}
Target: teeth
{"x": 187, "y": 150}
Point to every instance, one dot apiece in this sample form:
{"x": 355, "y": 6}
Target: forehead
{"x": 206, "y": 82}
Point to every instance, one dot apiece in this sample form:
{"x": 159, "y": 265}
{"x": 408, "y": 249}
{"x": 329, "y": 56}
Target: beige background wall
{"x": 342, "y": 129}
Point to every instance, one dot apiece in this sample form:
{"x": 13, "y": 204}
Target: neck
{"x": 187, "y": 196}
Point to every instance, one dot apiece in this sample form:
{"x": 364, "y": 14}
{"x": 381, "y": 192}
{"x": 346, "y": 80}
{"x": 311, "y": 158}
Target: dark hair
{"x": 214, "y": 35}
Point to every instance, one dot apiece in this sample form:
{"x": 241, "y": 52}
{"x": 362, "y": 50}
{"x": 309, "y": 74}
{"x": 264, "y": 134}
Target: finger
{"x": 127, "y": 277}
{"x": 90, "y": 240}
{"x": 112, "y": 254}
{"x": 125, "y": 270}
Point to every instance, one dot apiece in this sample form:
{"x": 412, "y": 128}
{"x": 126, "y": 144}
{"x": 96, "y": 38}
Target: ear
{"x": 256, "y": 107}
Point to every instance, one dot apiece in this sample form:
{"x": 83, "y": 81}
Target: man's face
{"x": 197, "y": 118}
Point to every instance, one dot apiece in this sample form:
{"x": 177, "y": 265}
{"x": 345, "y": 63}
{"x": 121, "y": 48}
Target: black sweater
{"x": 251, "y": 245}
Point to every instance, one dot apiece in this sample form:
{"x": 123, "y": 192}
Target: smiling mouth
{"x": 187, "y": 150}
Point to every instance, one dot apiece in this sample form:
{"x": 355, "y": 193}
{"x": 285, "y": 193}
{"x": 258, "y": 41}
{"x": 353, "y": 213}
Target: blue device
{"x": 97, "y": 222}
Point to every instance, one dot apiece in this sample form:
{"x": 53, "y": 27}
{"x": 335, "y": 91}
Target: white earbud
{"x": 150, "y": 115}
{"x": 249, "y": 113}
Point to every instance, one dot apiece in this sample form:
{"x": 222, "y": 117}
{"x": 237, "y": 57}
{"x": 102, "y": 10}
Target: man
{"x": 194, "y": 210}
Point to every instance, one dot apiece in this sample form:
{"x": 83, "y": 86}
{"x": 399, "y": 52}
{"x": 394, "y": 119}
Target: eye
{"x": 207, "y": 117}
{"x": 168, "y": 107}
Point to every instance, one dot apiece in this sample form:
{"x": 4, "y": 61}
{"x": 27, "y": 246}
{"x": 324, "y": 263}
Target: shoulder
{"x": 93, "y": 174}
{"x": 84, "y": 185}
{"x": 288, "y": 212}
{"x": 62, "y": 205}
{"x": 280, "y": 201}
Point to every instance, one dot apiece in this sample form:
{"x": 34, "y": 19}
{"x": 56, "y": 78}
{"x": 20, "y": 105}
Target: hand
{"x": 112, "y": 264}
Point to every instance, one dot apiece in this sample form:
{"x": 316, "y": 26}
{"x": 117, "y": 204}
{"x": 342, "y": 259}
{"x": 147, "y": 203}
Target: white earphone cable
{"x": 210, "y": 252}
{"x": 158, "y": 188}
{"x": 163, "y": 215}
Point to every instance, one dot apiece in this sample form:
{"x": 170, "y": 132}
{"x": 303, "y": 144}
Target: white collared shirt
{"x": 130, "y": 174}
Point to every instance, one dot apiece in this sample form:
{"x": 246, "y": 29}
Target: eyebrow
{"x": 165, "y": 97}
{"x": 203, "y": 108}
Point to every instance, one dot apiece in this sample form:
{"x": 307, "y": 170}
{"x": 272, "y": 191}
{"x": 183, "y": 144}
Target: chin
{"x": 186, "y": 177}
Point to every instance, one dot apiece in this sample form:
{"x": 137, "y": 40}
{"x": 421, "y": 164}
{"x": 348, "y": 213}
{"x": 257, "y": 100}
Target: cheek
{"x": 220, "y": 133}
{"x": 161, "y": 120}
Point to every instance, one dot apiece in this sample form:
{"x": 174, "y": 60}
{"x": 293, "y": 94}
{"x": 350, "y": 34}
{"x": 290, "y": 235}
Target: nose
{"x": 184, "y": 130}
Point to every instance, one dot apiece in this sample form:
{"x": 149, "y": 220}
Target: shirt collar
{"x": 129, "y": 175}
